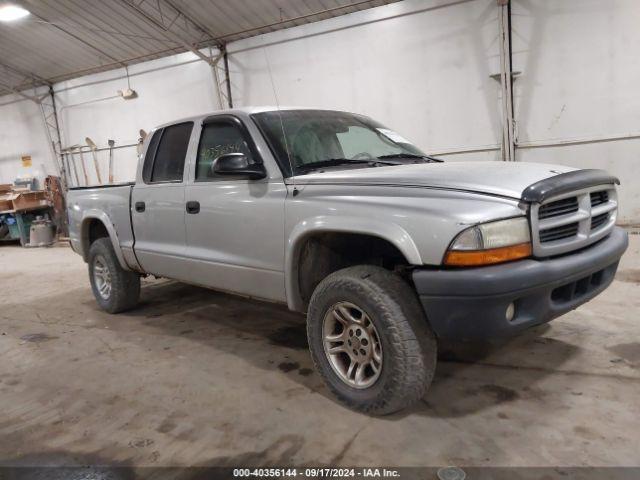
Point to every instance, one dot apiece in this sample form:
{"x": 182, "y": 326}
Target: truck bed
{"x": 109, "y": 204}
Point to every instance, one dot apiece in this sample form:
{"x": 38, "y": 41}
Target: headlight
{"x": 493, "y": 242}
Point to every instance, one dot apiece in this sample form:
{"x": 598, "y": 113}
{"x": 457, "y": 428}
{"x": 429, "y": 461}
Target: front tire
{"x": 370, "y": 340}
{"x": 114, "y": 288}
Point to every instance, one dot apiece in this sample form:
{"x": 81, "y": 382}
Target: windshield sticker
{"x": 393, "y": 136}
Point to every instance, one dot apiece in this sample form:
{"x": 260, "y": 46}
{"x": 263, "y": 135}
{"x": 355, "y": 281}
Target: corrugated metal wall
{"x": 579, "y": 78}
{"x": 422, "y": 66}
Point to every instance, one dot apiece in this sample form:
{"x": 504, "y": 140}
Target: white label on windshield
{"x": 393, "y": 136}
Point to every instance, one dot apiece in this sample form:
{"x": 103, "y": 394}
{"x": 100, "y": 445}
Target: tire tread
{"x": 413, "y": 343}
{"x": 125, "y": 285}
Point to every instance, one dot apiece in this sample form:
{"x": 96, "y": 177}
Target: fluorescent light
{"x": 9, "y": 13}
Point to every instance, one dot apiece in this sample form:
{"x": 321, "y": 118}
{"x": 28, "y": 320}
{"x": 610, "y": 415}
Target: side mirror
{"x": 238, "y": 164}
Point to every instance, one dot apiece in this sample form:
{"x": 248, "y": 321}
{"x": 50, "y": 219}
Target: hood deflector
{"x": 565, "y": 183}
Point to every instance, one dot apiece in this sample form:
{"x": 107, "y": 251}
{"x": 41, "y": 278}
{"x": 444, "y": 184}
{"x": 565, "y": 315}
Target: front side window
{"x": 168, "y": 164}
{"x": 303, "y": 139}
{"x": 219, "y": 138}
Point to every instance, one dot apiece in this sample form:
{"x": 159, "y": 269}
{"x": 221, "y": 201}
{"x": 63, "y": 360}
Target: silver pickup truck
{"x": 385, "y": 248}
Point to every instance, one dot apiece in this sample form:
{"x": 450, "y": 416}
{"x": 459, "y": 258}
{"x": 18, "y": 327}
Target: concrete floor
{"x": 194, "y": 377}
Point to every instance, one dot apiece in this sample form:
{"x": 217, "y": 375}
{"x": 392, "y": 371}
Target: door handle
{"x": 193, "y": 207}
{"x": 140, "y": 206}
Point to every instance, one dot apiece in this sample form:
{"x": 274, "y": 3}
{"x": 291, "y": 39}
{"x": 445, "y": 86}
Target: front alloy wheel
{"x": 370, "y": 340}
{"x": 352, "y": 345}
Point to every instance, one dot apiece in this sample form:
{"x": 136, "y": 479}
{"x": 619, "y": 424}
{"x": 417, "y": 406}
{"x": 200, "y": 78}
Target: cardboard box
{"x": 6, "y": 202}
{"x": 5, "y": 188}
{"x": 30, "y": 200}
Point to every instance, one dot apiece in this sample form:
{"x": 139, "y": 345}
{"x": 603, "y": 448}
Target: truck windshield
{"x": 307, "y": 140}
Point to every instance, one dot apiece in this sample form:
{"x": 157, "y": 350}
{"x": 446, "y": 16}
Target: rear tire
{"x": 114, "y": 288}
{"x": 385, "y": 330}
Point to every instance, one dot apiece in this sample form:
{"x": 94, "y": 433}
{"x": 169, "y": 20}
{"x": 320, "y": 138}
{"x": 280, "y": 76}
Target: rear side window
{"x": 168, "y": 162}
{"x": 151, "y": 153}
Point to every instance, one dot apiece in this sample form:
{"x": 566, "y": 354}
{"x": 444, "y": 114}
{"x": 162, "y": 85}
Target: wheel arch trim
{"x": 96, "y": 215}
{"x": 392, "y": 233}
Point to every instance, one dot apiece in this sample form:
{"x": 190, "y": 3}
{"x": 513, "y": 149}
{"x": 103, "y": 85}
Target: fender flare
{"x": 102, "y": 217}
{"x": 392, "y": 233}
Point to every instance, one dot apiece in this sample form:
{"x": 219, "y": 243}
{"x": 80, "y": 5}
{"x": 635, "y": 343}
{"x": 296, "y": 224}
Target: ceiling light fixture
{"x": 10, "y": 13}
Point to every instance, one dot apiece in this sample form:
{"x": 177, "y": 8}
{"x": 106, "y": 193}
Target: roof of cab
{"x": 240, "y": 110}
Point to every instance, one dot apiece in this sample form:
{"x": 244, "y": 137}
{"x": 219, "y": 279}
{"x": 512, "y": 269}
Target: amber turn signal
{"x": 475, "y": 258}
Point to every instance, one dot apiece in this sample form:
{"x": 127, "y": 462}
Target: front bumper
{"x": 471, "y": 303}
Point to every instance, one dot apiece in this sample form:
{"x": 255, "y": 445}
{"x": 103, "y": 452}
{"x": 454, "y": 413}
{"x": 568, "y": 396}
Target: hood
{"x": 505, "y": 179}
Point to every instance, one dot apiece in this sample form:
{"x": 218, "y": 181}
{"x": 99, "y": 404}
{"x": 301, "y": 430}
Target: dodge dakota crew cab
{"x": 385, "y": 248}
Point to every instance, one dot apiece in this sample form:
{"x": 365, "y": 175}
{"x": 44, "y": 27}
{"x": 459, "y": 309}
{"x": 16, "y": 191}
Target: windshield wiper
{"x": 334, "y": 162}
{"x": 425, "y": 158}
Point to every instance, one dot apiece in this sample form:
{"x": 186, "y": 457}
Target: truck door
{"x": 157, "y": 203}
{"x": 235, "y": 226}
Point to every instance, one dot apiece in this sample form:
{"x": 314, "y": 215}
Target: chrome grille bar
{"x": 573, "y": 220}
{"x": 560, "y": 207}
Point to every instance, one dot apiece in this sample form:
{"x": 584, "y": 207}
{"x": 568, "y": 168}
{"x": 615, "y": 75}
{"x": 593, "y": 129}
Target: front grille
{"x": 599, "y": 220}
{"x": 559, "y": 233}
{"x": 574, "y": 221}
{"x": 598, "y": 198}
{"x": 559, "y": 207}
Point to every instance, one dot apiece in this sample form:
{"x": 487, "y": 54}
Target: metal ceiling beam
{"x": 194, "y": 22}
{"x": 85, "y": 43}
{"x": 74, "y": 36}
{"x": 11, "y": 89}
{"x": 109, "y": 66}
{"x": 25, "y": 74}
{"x": 149, "y": 14}
{"x": 166, "y": 29}
{"x": 189, "y": 42}
{"x": 101, "y": 30}
{"x": 221, "y": 38}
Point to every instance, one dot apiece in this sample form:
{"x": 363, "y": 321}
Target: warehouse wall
{"x": 421, "y": 66}
{"x": 579, "y": 79}
{"x": 168, "y": 88}
{"x": 22, "y": 133}
{"x": 424, "y": 67}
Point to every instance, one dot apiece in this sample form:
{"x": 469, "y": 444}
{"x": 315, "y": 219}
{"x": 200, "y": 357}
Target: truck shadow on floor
{"x": 470, "y": 376}
{"x": 474, "y": 376}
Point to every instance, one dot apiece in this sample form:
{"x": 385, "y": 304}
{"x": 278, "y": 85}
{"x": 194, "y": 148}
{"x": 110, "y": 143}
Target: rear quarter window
{"x": 169, "y": 151}
{"x": 151, "y": 153}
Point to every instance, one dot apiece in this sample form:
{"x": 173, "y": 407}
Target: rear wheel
{"x": 370, "y": 340}
{"x": 114, "y": 288}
